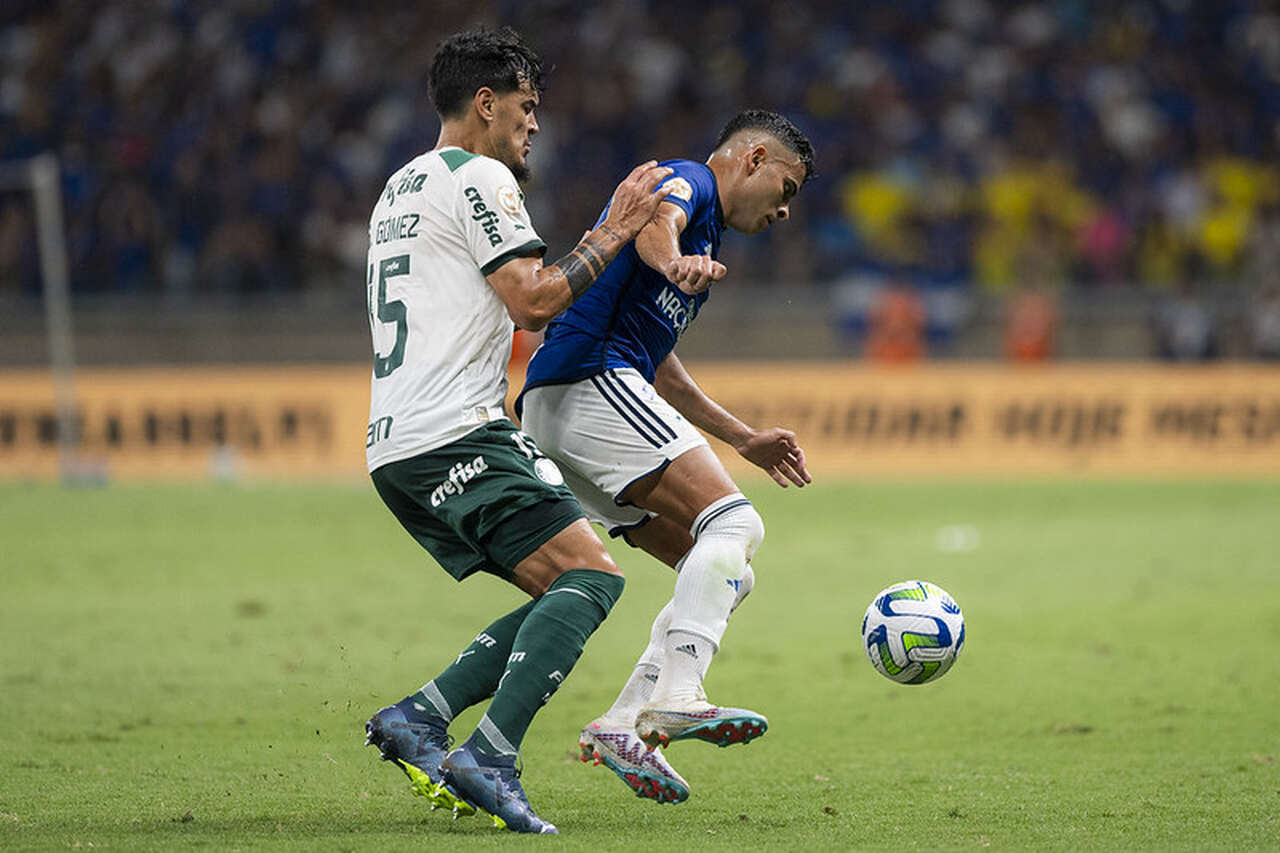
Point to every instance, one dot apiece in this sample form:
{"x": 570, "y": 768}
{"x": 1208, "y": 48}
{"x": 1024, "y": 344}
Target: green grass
{"x": 191, "y": 666}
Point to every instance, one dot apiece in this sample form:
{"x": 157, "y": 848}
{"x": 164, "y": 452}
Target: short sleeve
{"x": 691, "y": 187}
{"x": 494, "y": 219}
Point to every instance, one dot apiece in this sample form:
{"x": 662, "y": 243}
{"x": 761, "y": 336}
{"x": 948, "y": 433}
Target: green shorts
{"x": 483, "y": 502}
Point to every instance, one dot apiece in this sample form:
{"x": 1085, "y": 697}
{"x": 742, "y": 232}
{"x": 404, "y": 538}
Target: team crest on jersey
{"x": 509, "y": 200}
{"x": 680, "y": 188}
{"x": 548, "y": 472}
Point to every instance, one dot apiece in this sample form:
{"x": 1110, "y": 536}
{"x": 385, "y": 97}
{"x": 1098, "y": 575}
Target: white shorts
{"x": 606, "y": 432}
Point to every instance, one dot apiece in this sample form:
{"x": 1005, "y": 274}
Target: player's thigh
{"x": 394, "y": 483}
{"x": 681, "y": 490}
{"x": 484, "y": 502}
{"x": 615, "y": 431}
{"x": 661, "y": 538}
{"x": 575, "y": 547}
{"x": 599, "y": 505}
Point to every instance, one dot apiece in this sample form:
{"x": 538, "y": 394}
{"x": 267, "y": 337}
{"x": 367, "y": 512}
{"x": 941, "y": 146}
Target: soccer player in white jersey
{"x": 607, "y": 398}
{"x": 453, "y": 261}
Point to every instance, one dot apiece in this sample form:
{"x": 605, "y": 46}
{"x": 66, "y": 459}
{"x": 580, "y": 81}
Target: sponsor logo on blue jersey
{"x": 670, "y": 304}
{"x": 633, "y": 316}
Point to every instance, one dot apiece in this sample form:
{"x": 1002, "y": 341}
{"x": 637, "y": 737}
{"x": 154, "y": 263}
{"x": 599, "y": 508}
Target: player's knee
{"x": 756, "y": 532}
{"x": 541, "y": 569}
{"x": 597, "y": 561}
{"x": 735, "y": 519}
{"x": 601, "y": 561}
{"x": 602, "y": 588}
{"x": 744, "y": 587}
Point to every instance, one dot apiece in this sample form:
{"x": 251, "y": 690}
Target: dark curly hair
{"x": 464, "y": 62}
{"x": 777, "y": 126}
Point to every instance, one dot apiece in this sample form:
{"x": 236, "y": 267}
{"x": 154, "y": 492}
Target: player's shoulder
{"x": 475, "y": 168}
{"x": 690, "y": 181}
{"x": 408, "y": 180}
{"x": 687, "y": 167}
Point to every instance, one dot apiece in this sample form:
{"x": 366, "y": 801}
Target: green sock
{"x": 473, "y": 677}
{"x": 545, "y": 650}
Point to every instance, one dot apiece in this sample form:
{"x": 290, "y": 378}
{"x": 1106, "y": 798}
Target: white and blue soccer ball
{"x": 913, "y": 632}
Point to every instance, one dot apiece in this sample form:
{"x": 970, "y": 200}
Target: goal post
{"x": 41, "y": 176}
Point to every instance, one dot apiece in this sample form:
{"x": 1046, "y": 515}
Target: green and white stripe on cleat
{"x": 659, "y": 725}
{"x": 436, "y": 793}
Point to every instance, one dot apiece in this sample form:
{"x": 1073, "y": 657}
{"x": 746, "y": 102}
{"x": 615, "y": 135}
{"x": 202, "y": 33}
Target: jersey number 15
{"x": 388, "y": 312}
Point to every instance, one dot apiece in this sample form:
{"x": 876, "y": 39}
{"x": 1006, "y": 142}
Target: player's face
{"x": 513, "y": 128}
{"x": 767, "y": 188}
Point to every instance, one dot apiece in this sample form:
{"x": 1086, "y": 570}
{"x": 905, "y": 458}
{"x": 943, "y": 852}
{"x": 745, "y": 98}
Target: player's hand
{"x": 635, "y": 201}
{"x": 694, "y": 273}
{"x": 776, "y": 451}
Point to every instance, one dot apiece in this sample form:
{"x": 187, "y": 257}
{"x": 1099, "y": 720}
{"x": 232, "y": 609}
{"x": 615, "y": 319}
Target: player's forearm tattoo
{"x": 614, "y": 234}
{"x": 582, "y": 266}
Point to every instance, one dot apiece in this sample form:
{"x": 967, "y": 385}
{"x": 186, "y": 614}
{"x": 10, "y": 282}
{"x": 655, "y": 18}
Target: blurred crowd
{"x": 215, "y": 149}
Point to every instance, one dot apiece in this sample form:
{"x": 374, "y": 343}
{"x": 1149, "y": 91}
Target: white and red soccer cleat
{"x": 644, "y": 770}
{"x": 661, "y": 723}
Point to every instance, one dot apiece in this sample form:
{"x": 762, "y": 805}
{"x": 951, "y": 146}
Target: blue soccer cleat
{"x": 493, "y": 784}
{"x": 417, "y": 749}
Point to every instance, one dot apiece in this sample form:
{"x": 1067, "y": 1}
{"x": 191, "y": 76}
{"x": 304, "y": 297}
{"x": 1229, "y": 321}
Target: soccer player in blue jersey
{"x": 607, "y": 398}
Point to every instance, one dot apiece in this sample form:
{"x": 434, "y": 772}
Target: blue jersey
{"x": 632, "y": 316}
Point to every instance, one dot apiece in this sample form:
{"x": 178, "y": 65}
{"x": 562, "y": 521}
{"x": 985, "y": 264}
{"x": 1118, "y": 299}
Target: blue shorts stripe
{"x": 619, "y": 398}
{"x": 595, "y": 380}
{"x": 721, "y": 511}
{"x": 662, "y": 427}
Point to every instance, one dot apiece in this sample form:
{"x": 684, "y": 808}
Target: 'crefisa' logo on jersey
{"x": 408, "y": 183}
{"x": 481, "y": 213}
{"x": 462, "y": 472}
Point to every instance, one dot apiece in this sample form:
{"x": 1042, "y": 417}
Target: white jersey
{"x": 441, "y": 335}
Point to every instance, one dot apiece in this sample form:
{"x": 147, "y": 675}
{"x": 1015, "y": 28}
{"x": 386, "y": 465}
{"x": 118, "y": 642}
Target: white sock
{"x": 726, "y": 535}
{"x": 686, "y": 657}
{"x": 639, "y": 687}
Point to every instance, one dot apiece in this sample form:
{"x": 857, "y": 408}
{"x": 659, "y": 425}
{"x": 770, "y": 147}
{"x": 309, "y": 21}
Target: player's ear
{"x": 485, "y": 102}
{"x": 756, "y": 158}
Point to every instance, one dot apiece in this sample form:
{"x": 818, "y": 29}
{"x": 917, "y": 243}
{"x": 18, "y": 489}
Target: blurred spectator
{"x": 897, "y": 331}
{"x": 1185, "y": 326}
{"x": 1263, "y": 319}
{"x": 1031, "y": 326}
{"x": 19, "y": 264}
{"x": 1264, "y": 247}
{"x": 1262, "y": 307}
{"x": 128, "y": 238}
{"x": 1104, "y": 244}
{"x": 1042, "y": 260}
{"x": 230, "y": 149}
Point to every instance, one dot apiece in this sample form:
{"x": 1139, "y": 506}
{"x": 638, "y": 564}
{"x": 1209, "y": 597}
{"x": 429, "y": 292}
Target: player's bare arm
{"x": 658, "y": 245}
{"x": 534, "y": 294}
{"x": 774, "y": 449}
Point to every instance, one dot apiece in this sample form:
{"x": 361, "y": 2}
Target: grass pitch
{"x": 192, "y": 666}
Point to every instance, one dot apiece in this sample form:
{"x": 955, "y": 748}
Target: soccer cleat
{"x": 645, "y": 770}
{"x": 417, "y": 749}
{"x": 493, "y": 784}
{"x": 659, "y": 725}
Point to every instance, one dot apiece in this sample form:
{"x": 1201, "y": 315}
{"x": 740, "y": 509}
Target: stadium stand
{"x": 225, "y": 153}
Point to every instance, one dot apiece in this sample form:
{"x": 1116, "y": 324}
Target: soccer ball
{"x": 913, "y": 632}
